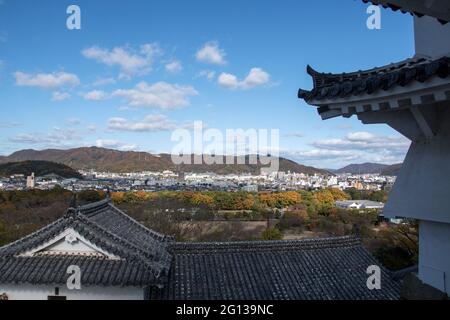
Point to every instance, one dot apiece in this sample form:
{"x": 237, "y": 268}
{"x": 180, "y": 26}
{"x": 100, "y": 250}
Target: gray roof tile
{"x": 329, "y": 268}
{"x": 313, "y": 269}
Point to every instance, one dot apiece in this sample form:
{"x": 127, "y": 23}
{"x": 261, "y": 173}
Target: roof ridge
{"x": 94, "y": 205}
{"x": 31, "y": 235}
{"x": 338, "y": 86}
{"x": 309, "y": 243}
{"x": 139, "y": 253}
{"x": 396, "y": 7}
{"x": 164, "y": 238}
{"x": 321, "y": 76}
{"x": 90, "y": 209}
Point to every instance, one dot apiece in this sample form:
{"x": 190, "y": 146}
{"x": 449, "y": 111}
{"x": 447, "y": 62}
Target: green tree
{"x": 272, "y": 234}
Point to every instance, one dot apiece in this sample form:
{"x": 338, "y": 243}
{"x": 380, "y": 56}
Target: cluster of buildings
{"x": 45, "y": 182}
{"x": 169, "y": 180}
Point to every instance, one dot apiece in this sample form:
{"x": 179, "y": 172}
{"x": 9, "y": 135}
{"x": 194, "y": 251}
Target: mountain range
{"x": 368, "y": 168}
{"x": 102, "y": 159}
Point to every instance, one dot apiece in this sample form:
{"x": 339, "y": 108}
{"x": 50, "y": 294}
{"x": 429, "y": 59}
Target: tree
{"x": 199, "y": 199}
{"x": 3, "y": 233}
{"x": 338, "y": 195}
{"x": 272, "y": 234}
{"x": 379, "y": 196}
{"x": 296, "y": 218}
{"x": 285, "y": 199}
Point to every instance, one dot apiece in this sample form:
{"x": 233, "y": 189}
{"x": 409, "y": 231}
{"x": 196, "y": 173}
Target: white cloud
{"x": 114, "y": 144}
{"x": 255, "y": 78}
{"x": 355, "y": 147}
{"x": 60, "y": 96}
{"x": 104, "y": 81}
{"x": 294, "y": 135}
{"x": 211, "y": 53}
{"x": 56, "y": 138}
{"x": 150, "y": 123}
{"x": 27, "y": 138}
{"x": 323, "y": 154}
{"x": 361, "y": 136}
{"x": 95, "y": 95}
{"x": 365, "y": 141}
{"x": 130, "y": 61}
{"x": 174, "y": 67}
{"x": 228, "y": 80}
{"x": 74, "y": 121}
{"x": 46, "y": 80}
{"x": 161, "y": 95}
{"x": 6, "y": 125}
{"x": 208, "y": 74}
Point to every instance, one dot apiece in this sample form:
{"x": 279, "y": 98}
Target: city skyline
{"x": 135, "y": 73}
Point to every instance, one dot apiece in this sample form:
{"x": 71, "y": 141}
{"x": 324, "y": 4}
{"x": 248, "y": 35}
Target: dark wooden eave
{"x": 439, "y": 9}
{"x": 329, "y": 86}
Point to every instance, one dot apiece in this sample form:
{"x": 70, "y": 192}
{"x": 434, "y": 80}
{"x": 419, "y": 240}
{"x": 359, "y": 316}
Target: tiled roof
{"x": 142, "y": 256}
{"x": 132, "y": 255}
{"x": 342, "y": 88}
{"x": 314, "y": 269}
{"x": 109, "y": 217}
{"x": 95, "y": 271}
{"x": 331, "y": 86}
{"x": 440, "y": 11}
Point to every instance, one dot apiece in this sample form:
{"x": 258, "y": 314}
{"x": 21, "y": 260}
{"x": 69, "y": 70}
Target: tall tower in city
{"x": 30, "y": 181}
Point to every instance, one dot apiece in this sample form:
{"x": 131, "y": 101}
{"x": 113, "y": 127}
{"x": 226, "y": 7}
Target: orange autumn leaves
{"x": 232, "y": 200}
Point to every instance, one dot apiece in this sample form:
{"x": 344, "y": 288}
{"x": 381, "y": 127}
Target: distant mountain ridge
{"x": 370, "y": 168}
{"x": 102, "y": 159}
{"x": 392, "y": 170}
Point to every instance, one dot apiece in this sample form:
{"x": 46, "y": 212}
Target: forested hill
{"x": 40, "y": 168}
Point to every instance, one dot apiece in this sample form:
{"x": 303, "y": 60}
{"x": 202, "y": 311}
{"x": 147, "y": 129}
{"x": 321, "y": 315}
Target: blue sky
{"x": 137, "y": 70}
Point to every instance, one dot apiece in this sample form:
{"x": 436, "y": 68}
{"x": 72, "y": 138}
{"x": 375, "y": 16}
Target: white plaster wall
{"x": 422, "y": 189}
{"x": 432, "y": 38}
{"x": 30, "y": 292}
{"x": 434, "y": 254}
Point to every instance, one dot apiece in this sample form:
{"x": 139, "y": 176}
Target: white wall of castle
{"x": 42, "y": 292}
{"x": 432, "y": 38}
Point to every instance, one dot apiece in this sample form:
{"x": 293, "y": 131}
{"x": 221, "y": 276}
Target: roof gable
{"x": 91, "y": 240}
{"x": 69, "y": 242}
